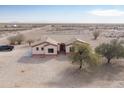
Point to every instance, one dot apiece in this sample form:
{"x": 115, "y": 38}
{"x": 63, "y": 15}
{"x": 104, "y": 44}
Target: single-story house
{"x": 49, "y": 46}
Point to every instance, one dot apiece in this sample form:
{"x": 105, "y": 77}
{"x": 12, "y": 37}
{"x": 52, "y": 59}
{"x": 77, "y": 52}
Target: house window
{"x": 37, "y": 48}
{"x": 50, "y": 50}
{"x": 42, "y": 48}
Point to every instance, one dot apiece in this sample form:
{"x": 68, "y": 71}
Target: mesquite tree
{"x": 111, "y": 50}
{"x": 83, "y": 54}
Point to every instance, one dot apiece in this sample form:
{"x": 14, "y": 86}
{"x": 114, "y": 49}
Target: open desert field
{"x": 19, "y": 69}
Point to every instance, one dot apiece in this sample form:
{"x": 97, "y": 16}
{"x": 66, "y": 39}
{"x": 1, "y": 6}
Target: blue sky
{"x": 62, "y": 14}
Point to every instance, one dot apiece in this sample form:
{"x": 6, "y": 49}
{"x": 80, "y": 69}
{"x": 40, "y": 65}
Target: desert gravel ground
{"x": 18, "y": 69}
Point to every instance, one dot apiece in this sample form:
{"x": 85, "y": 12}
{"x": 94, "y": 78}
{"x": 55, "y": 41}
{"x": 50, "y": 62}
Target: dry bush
{"x": 96, "y": 34}
{"x": 12, "y": 40}
{"x": 30, "y": 41}
{"x": 18, "y": 39}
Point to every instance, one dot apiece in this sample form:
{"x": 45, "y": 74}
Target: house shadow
{"x": 72, "y": 77}
{"x": 62, "y": 58}
{"x": 33, "y": 60}
{"x": 42, "y": 59}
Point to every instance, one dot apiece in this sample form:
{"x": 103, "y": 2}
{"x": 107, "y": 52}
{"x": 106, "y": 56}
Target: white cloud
{"x": 110, "y": 12}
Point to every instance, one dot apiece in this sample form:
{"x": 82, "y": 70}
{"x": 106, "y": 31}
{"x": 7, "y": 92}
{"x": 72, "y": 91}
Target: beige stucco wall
{"x": 34, "y": 51}
{"x": 58, "y": 47}
{"x": 45, "y": 51}
{"x": 68, "y": 48}
{"x": 50, "y": 46}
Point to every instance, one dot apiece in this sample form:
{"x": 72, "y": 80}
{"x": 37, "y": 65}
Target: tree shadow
{"x": 62, "y": 58}
{"x": 73, "y": 77}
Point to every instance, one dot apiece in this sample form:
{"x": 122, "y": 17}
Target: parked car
{"x": 6, "y": 48}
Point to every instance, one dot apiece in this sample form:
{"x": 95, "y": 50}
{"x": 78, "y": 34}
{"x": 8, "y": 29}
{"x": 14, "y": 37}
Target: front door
{"x": 62, "y": 48}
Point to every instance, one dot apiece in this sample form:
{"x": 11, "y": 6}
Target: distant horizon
{"x": 52, "y": 23}
{"x": 62, "y": 13}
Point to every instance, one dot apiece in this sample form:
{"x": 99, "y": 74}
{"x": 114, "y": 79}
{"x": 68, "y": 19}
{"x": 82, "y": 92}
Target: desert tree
{"x": 111, "y": 50}
{"x": 30, "y": 41}
{"x": 19, "y": 38}
{"x": 96, "y": 34}
{"x": 83, "y": 54}
{"x": 12, "y": 40}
